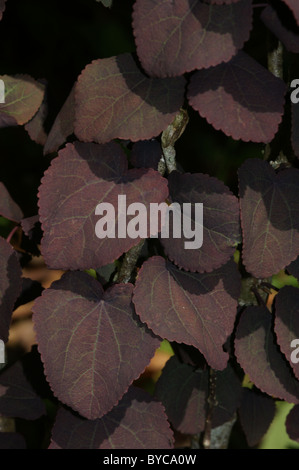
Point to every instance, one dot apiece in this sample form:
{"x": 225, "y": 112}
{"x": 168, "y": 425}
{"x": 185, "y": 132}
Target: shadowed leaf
{"x": 10, "y": 286}
{"x": 63, "y": 125}
{"x": 269, "y": 217}
{"x": 80, "y": 178}
{"x": 137, "y": 422}
{"x": 2, "y": 8}
{"x": 295, "y": 128}
{"x": 221, "y": 226}
{"x": 146, "y": 154}
{"x": 293, "y": 268}
{"x": 256, "y": 414}
{"x": 273, "y": 22}
{"x": 287, "y": 321}
{"x": 190, "y": 308}
{"x": 17, "y": 397}
{"x": 241, "y": 98}
{"x": 91, "y": 343}
{"x": 114, "y": 99}
{"x": 260, "y": 357}
{"x": 292, "y": 423}
{"x": 165, "y": 45}
{"x": 8, "y": 208}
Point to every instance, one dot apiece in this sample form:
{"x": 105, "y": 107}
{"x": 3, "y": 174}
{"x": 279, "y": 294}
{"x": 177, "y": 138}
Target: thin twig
{"x": 169, "y": 136}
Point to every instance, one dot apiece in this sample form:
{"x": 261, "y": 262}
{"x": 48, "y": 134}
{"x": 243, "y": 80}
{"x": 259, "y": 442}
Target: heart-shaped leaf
{"x": 269, "y": 217}
{"x": 10, "y": 286}
{"x": 256, "y": 414}
{"x": 114, "y": 99}
{"x": 8, "y": 208}
{"x": 259, "y": 356}
{"x": 80, "y": 178}
{"x": 292, "y": 423}
{"x": 287, "y": 322}
{"x": 183, "y": 392}
{"x": 137, "y": 422}
{"x": 294, "y": 6}
{"x": 241, "y": 98}
{"x": 190, "y": 308}
{"x": 17, "y": 397}
{"x": 63, "y": 125}
{"x": 220, "y": 2}
{"x": 23, "y": 97}
{"x": 165, "y": 46}
{"x": 220, "y": 229}
{"x": 91, "y": 343}
{"x": 273, "y": 22}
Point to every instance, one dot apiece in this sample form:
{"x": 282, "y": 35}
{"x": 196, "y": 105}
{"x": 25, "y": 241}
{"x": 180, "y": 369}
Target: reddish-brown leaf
{"x": 23, "y": 98}
{"x": 241, "y": 98}
{"x": 165, "y": 45}
{"x": 294, "y": 6}
{"x": 258, "y": 354}
{"x": 190, "y": 308}
{"x": 269, "y": 217}
{"x": 8, "y": 208}
{"x": 292, "y": 423}
{"x": 2, "y": 8}
{"x": 91, "y": 342}
{"x": 63, "y": 125}
{"x": 137, "y": 422}
{"x": 114, "y": 99}
{"x": 81, "y": 177}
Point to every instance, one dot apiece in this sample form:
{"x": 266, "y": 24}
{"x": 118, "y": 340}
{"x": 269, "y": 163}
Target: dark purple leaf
{"x": 241, "y": 98}
{"x": 228, "y": 396}
{"x": 17, "y": 397}
{"x": 35, "y": 127}
{"x": 63, "y": 125}
{"x": 295, "y": 128}
{"x": 269, "y": 217}
{"x": 183, "y": 392}
{"x": 8, "y": 208}
{"x": 293, "y": 268}
{"x": 287, "y": 322}
{"x": 91, "y": 343}
{"x": 292, "y": 423}
{"x": 258, "y": 354}
{"x": 11, "y": 440}
{"x": 273, "y": 22}
{"x": 137, "y": 422}
{"x": 83, "y": 176}
{"x": 256, "y": 414}
{"x": 2, "y": 8}
{"x": 190, "y": 308}
{"x": 221, "y": 226}
{"x": 146, "y": 154}
{"x": 10, "y": 286}
{"x": 23, "y": 98}
{"x": 114, "y": 99}
{"x": 294, "y": 6}
{"x": 165, "y": 46}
